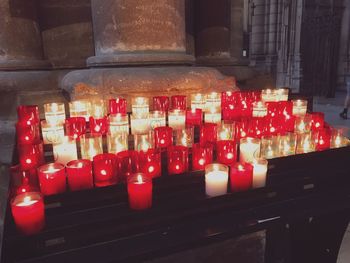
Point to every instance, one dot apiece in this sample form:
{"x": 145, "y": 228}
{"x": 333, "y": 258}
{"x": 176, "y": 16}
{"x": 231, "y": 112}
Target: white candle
{"x": 79, "y": 108}
{"x": 139, "y": 125}
{"x": 52, "y": 134}
{"x": 143, "y": 142}
{"x": 157, "y": 119}
{"x": 259, "y": 172}
{"x": 177, "y": 119}
{"x": 282, "y": 94}
{"x": 65, "y": 151}
{"x": 90, "y": 146}
{"x": 184, "y": 137}
{"x": 54, "y": 113}
{"x": 117, "y": 142}
{"x": 216, "y": 178}
{"x": 197, "y": 101}
{"x": 213, "y": 115}
{"x": 226, "y": 131}
{"x": 269, "y": 147}
{"x": 268, "y": 95}
{"x": 303, "y": 124}
{"x": 118, "y": 123}
{"x": 259, "y": 109}
{"x": 213, "y": 100}
{"x": 97, "y": 109}
{"x": 140, "y": 106}
{"x": 248, "y": 149}
{"x": 299, "y": 107}
{"x": 287, "y": 144}
{"x": 306, "y": 142}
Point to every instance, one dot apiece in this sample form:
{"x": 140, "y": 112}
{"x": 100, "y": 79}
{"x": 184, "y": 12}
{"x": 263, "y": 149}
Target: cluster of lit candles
{"x": 238, "y": 130}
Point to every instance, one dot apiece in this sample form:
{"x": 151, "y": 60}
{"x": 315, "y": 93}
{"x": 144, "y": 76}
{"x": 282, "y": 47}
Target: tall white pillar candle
{"x": 259, "y": 172}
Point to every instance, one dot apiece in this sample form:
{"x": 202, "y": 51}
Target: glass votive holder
{"x": 22, "y": 181}
{"x": 28, "y": 212}
{"x": 208, "y": 133}
{"x": 128, "y": 164}
{"x": 118, "y": 123}
{"x": 161, "y": 103}
{"x": 282, "y": 94}
{"x": 242, "y": 128}
{"x": 185, "y": 137}
{"x": 150, "y": 162}
{"x": 268, "y": 95}
{"x": 140, "y": 106}
{"x": 194, "y": 117}
{"x": 212, "y": 101}
{"x": 177, "y": 159}
{"x": 157, "y": 119}
{"x": 216, "y": 179}
{"x": 79, "y": 108}
{"x": 198, "y": 101}
{"x": 317, "y": 121}
{"x": 163, "y": 137}
{"x": 90, "y": 145}
{"x": 178, "y": 102}
{"x": 323, "y": 141}
{"x": 226, "y": 151}
{"x": 248, "y": 149}
{"x": 140, "y": 191}
{"x": 139, "y": 125}
{"x": 338, "y": 139}
{"x": 257, "y": 127}
{"x": 65, "y": 151}
{"x": 259, "y": 109}
{"x": 269, "y": 147}
{"x": 31, "y": 155}
{"x": 231, "y": 113}
{"x": 306, "y": 142}
{"x": 75, "y": 127}
{"x": 98, "y": 125}
{"x": 226, "y": 131}
{"x": 201, "y": 156}
{"x": 117, "y": 142}
{"x": 212, "y": 115}
{"x": 241, "y": 177}
{"x": 303, "y": 124}
{"x": 117, "y": 105}
{"x": 52, "y": 134}
{"x": 27, "y": 134}
{"x": 52, "y": 178}
{"x": 143, "y": 142}
{"x": 299, "y": 107}
{"x": 79, "y": 175}
{"x": 55, "y": 113}
{"x": 105, "y": 167}
{"x": 97, "y": 108}
{"x": 28, "y": 114}
{"x": 259, "y": 172}
{"x": 177, "y": 119}
{"x": 287, "y": 144}
{"x": 228, "y": 98}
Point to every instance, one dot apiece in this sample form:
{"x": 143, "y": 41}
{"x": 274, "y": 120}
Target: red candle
{"x": 178, "y": 102}
{"x": 287, "y": 119}
{"x": 75, "y": 126}
{"x": 323, "y": 139}
{"x": 231, "y": 113}
{"x": 117, "y": 105}
{"x": 163, "y": 136}
{"x": 98, "y": 126}
{"x": 317, "y": 121}
{"x": 161, "y": 103}
{"x": 31, "y": 155}
{"x": 208, "y": 133}
{"x": 242, "y": 127}
{"x": 273, "y": 125}
{"x": 23, "y": 180}
{"x": 177, "y": 159}
{"x": 28, "y": 114}
{"x": 150, "y": 162}
{"x": 257, "y": 127}
{"x": 194, "y": 117}
{"x": 241, "y": 177}
{"x": 128, "y": 164}
{"x": 273, "y": 109}
{"x": 79, "y": 175}
{"x": 226, "y": 151}
{"x": 140, "y": 191}
{"x": 201, "y": 156}
{"x": 105, "y": 169}
{"x": 228, "y": 98}
{"x": 52, "y": 178}
{"x": 27, "y": 134}
{"x": 28, "y": 212}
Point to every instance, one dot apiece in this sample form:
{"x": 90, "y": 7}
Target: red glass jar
{"x": 52, "y": 178}
{"x": 28, "y": 114}
{"x": 150, "y": 162}
{"x": 163, "y": 137}
{"x": 105, "y": 169}
{"x": 75, "y": 126}
{"x": 128, "y": 164}
{"x": 242, "y": 128}
{"x": 31, "y": 155}
{"x": 317, "y": 121}
{"x": 161, "y": 103}
{"x": 241, "y": 177}
{"x": 177, "y": 159}
{"x": 194, "y": 117}
{"x": 323, "y": 139}
{"x": 208, "y": 134}
{"x": 201, "y": 156}
{"x": 98, "y": 126}
{"x": 79, "y": 174}
{"x": 257, "y": 127}
{"x": 178, "y": 102}
{"x": 226, "y": 151}
{"x": 117, "y": 105}
{"x": 27, "y": 134}
{"x": 140, "y": 191}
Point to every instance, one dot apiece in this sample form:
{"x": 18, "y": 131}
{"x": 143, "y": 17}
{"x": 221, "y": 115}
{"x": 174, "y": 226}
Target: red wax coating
{"x": 317, "y": 121}
{"x": 287, "y": 120}
{"x": 28, "y": 212}
{"x": 117, "y": 105}
{"x": 226, "y": 151}
{"x": 98, "y": 126}
{"x": 140, "y": 191}
{"x": 231, "y": 113}
{"x": 273, "y": 126}
{"x": 163, "y": 137}
{"x": 242, "y": 128}
{"x": 150, "y": 162}
{"x": 194, "y": 117}
{"x": 273, "y": 109}
{"x": 208, "y": 133}
{"x": 161, "y": 103}
{"x": 178, "y": 102}
{"x": 128, "y": 164}
{"x": 257, "y": 127}
{"x": 79, "y": 175}
{"x": 52, "y": 178}
{"x": 177, "y": 159}
{"x": 31, "y": 155}
{"x": 228, "y": 98}
{"x": 201, "y": 156}
{"x": 28, "y": 114}
{"x": 241, "y": 177}
{"x": 323, "y": 139}
{"x": 75, "y": 126}
{"x": 105, "y": 169}
{"x": 23, "y": 180}
{"x": 27, "y": 134}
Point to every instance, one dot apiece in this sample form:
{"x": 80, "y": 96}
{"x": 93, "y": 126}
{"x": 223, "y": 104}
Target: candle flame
{"x": 240, "y": 167}
{"x": 150, "y": 169}
{"x": 54, "y": 107}
{"x": 139, "y": 179}
{"x": 28, "y": 161}
{"x": 229, "y": 155}
{"x": 103, "y": 172}
{"x": 27, "y": 200}
{"x": 201, "y": 162}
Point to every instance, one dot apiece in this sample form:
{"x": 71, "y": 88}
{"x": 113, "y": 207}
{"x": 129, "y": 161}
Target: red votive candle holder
{"x": 27, "y": 134}
{"x": 178, "y": 102}
{"x": 150, "y": 162}
{"x": 241, "y": 177}
{"x": 28, "y": 114}
{"x": 52, "y": 178}
{"x": 317, "y": 121}
{"x": 98, "y": 126}
{"x": 226, "y": 151}
{"x": 201, "y": 156}
{"x": 31, "y": 155}
{"x": 23, "y": 181}
{"x": 75, "y": 126}
{"x": 105, "y": 169}
{"x": 287, "y": 119}
{"x": 117, "y": 105}
{"x": 140, "y": 191}
{"x": 194, "y": 117}
{"x": 208, "y": 133}
{"x": 257, "y": 127}
{"x": 273, "y": 126}
{"x": 228, "y": 98}
{"x": 323, "y": 139}
{"x": 163, "y": 137}
{"x": 177, "y": 159}
{"x": 161, "y": 103}
{"x": 28, "y": 212}
{"x": 242, "y": 128}
{"x": 128, "y": 164}
{"x": 79, "y": 175}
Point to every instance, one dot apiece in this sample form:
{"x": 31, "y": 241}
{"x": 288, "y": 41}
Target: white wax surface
{"x": 139, "y": 126}
{"x": 177, "y": 122}
{"x": 259, "y": 175}
{"x": 212, "y": 117}
{"x": 216, "y": 183}
{"x": 247, "y": 150}
{"x": 65, "y": 152}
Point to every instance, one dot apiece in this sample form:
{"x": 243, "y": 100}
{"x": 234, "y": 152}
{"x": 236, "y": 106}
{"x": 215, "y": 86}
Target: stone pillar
{"x": 66, "y": 27}
{"x": 237, "y": 12}
{"x": 272, "y": 35}
{"x": 139, "y": 32}
{"x": 20, "y": 40}
{"x": 257, "y": 45}
{"x": 213, "y": 36}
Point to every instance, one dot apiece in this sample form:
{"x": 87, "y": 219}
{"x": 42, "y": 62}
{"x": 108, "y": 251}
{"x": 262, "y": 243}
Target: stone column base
{"x": 24, "y": 64}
